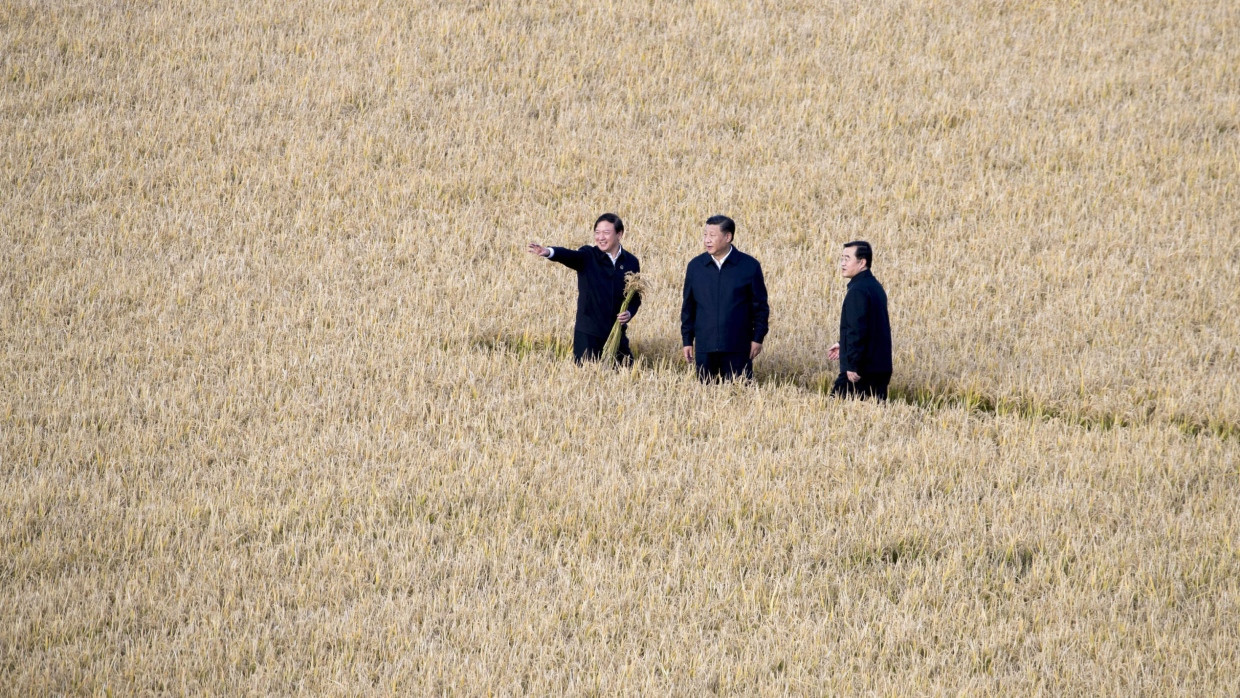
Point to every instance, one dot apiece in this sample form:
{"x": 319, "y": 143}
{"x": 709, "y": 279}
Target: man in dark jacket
{"x": 723, "y": 319}
{"x": 600, "y": 287}
{"x": 864, "y": 349}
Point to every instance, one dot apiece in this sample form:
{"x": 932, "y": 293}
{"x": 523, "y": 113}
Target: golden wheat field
{"x": 286, "y": 408}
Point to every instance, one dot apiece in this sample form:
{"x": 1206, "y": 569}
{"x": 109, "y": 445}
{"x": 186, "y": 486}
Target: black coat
{"x": 865, "y": 329}
{"x": 600, "y": 286}
{"x": 724, "y": 309}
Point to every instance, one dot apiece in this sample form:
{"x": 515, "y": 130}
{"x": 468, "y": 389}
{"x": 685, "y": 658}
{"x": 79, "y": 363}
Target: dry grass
{"x": 262, "y": 428}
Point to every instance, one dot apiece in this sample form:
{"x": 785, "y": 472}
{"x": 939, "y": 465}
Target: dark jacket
{"x": 600, "y": 286}
{"x": 724, "y": 309}
{"x": 865, "y": 330}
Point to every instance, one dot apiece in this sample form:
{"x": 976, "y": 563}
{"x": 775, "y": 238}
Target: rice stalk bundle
{"x": 633, "y": 285}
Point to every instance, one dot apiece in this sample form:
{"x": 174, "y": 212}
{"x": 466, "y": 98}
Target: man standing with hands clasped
{"x": 864, "y": 349}
{"x": 723, "y": 319}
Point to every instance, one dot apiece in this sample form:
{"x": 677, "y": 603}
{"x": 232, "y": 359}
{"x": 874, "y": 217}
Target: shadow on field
{"x": 665, "y": 355}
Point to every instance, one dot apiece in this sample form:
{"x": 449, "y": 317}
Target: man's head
{"x": 717, "y": 237}
{"x": 608, "y": 230}
{"x": 856, "y": 258}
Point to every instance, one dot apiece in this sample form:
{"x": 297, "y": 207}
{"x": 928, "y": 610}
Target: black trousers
{"x": 723, "y": 365}
{"x": 873, "y": 385}
{"x": 587, "y": 347}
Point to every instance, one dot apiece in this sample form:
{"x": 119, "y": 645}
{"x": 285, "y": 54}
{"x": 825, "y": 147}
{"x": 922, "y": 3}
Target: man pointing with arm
{"x": 600, "y": 287}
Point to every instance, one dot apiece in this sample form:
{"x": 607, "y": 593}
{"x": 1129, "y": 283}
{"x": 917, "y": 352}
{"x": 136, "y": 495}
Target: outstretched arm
{"x": 573, "y": 259}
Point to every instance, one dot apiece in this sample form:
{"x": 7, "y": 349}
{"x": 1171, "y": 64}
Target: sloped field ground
{"x": 284, "y": 405}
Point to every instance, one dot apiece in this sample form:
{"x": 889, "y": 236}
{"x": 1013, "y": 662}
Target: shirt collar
{"x": 719, "y": 262}
{"x": 859, "y": 275}
{"x": 614, "y": 257}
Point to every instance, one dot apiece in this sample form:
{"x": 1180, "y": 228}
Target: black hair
{"x": 862, "y": 251}
{"x": 613, "y": 219}
{"x": 726, "y": 225}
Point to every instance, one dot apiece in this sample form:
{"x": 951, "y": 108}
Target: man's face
{"x": 606, "y": 237}
{"x": 715, "y": 240}
{"x": 850, "y": 266}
